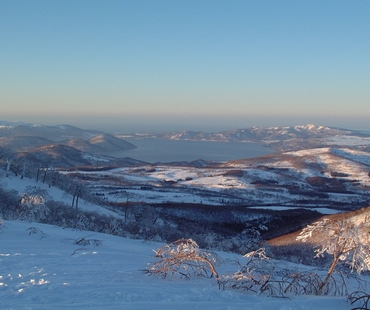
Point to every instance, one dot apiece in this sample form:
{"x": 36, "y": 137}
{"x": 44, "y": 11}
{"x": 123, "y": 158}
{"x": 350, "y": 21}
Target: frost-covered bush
{"x": 32, "y": 208}
{"x": 256, "y": 276}
{"x": 261, "y": 275}
{"x": 347, "y": 241}
{"x": 184, "y": 257}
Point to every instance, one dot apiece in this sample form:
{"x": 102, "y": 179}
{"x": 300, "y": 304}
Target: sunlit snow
{"x": 53, "y": 273}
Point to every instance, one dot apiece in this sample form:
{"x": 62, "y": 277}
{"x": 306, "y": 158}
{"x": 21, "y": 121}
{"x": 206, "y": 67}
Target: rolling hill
{"x": 111, "y": 143}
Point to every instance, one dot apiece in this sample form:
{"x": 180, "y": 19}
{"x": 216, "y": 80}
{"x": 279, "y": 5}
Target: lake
{"x": 161, "y": 150}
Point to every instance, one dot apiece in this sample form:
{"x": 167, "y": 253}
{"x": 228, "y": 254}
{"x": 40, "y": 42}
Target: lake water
{"x": 161, "y": 150}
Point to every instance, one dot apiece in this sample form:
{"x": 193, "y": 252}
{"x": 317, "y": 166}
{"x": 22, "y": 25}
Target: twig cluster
{"x": 361, "y": 298}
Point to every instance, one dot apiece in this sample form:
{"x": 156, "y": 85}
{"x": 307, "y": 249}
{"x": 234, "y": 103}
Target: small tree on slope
{"x": 347, "y": 241}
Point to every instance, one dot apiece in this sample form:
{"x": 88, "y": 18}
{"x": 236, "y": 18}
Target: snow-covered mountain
{"x": 60, "y": 145}
{"x": 286, "y": 138}
{"x": 83, "y": 145}
{"x": 111, "y": 143}
{"x": 280, "y": 138}
{"x": 253, "y": 134}
{"x": 63, "y": 156}
{"x": 23, "y": 143}
{"x": 55, "y": 133}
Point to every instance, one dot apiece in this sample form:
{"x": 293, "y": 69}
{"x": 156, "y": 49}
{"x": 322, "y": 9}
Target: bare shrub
{"x": 361, "y": 299}
{"x": 257, "y": 276}
{"x": 309, "y": 283}
{"x": 113, "y": 227}
{"x": 35, "y": 230}
{"x": 85, "y": 242}
{"x": 185, "y": 258}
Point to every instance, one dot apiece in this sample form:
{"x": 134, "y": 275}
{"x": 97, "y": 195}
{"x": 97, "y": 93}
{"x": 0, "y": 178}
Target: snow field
{"x": 46, "y": 270}
{"x": 348, "y": 140}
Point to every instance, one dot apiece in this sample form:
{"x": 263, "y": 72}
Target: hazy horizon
{"x": 167, "y": 65}
{"x": 209, "y": 124}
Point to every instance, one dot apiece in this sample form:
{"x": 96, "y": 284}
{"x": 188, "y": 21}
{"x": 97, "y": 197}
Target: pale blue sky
{"x": 199, "y": 65}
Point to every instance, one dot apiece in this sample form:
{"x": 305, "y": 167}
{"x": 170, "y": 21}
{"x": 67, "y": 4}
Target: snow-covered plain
{"x": 46, "y": 270}
{"x": 253, "y": 182}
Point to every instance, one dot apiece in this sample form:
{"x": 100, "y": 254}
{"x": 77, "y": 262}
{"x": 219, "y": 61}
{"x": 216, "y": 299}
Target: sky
{"x": 210, "y": 65}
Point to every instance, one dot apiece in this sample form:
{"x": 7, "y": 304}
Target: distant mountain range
{"x": 62, "y": 156}
{"x": 54, "y": 133}
{"x": 252, "y": 134}
{"x": 71, "y": 146}
{"x": 62, "y": 145}
{"x": 22, "y": 137}
{"x": 280, "y": 138}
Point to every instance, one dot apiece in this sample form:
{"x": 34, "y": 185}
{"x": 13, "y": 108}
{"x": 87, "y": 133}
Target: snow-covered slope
{"x": 21, "y": 185}
{"x": 42, "y": 268}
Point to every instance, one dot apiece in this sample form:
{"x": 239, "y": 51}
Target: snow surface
{"x": 56, "y": 194}
{"x": 354, "y": 155}
{"x": 46, "y": 270}
{"x": 348, "y": 140}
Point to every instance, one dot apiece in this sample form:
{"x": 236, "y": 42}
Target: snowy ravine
{"x": 46, "y": 270}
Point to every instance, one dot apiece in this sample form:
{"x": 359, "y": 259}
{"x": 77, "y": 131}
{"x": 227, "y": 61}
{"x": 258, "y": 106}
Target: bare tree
{"x": 347, "y": 241}
{"x": 7, "y": 157}
{"x": 76, "y": 196}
